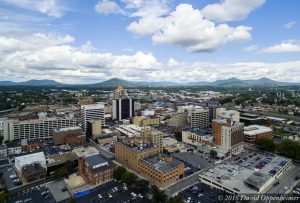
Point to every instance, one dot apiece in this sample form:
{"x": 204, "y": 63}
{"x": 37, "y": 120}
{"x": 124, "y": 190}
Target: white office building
{"x": 35, "y": 128}
{"x": 198, "y": 117}
{"x": 92, "y": 112}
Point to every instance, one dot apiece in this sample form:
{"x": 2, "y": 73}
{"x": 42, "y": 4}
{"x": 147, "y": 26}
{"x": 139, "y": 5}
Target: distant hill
{"x": 7, "y": 83}
{"x": 41, "y": 83}
{"x": 114, "y": 82}
{"x": 231, "y": 82}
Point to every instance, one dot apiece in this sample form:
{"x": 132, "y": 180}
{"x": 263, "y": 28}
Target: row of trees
{"x": 286, "y": 148}
{"x": 142, "y": 186}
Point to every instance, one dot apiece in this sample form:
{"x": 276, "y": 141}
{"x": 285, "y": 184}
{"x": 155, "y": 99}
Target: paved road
{"x": 285, "y": 180}
{"x": 182, "y": 184}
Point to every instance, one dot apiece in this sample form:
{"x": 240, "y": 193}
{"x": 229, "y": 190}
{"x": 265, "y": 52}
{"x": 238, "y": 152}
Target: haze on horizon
{"x": 140, "y": 40}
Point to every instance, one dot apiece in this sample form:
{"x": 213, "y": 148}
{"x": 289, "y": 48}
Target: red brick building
{"x": 95, "y": 169}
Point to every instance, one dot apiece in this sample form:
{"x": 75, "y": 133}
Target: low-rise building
{"x": 197, "y": 136}
{"x": 130, "y": 150}
{"x": 107, "y": 138}
{"x": 168, "y": 141}
{"x": 34, "y": 171}
{"x": 60, "y": 135}
{"x": 14, "y": 147}
{"x": 73, "y": 139}
{"x": 95, "y": 169}
{"x": 163, "y": 171}
{"x": 3, "y": 152}
{"x": 154, "y": 136}
{"x": 255, "y": 132}
{"x": 146, "y": 121}
{"x": 32, "y": 145}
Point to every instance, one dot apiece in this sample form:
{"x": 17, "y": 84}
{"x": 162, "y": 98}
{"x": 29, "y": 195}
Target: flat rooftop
{"x": 160, "y": 165}
{"x": 138, "y": 144}
{"x": 85, "y": 151}
{"x": 58, "y": 159}
{"x": 256, "y": 129}
{"x": 56, "y": 189}
{"x": 200, "y": 131}
{"x": 230, "y": 176}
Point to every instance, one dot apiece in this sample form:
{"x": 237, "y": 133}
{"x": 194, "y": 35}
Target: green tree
{"x": 213, "y": 153}
{"x": 118, "y": 172}
{"x": 129, "y": 178}
{"x": 265, "y": 144}
{"x": 158, "y": 196}
{"x": 65, "y": 170}
{"x": 141, "y": 186}
{"x": 289, "y": 149}
{"x": 73, "y": 200}
{"x": 176, "y": 199}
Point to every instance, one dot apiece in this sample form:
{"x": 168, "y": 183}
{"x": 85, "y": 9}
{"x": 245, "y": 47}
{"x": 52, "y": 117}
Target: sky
{"x": 89, "y": 41}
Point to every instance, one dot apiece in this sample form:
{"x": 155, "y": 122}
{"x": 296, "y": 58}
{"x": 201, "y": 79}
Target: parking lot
{"x": 264, "y": 162}
{"x": 194, "y": 161}
{"x": 112, "y": 192}
{"x": 11, "y": 178}
{"x": 202, "y": 193}
{"x": 35, "y": 194}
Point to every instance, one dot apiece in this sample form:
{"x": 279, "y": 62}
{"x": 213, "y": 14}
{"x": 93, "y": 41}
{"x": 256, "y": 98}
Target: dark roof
{"x": 95, "y": 160}
{"x": 32, "y": 169}
{"x": 201, "y": 131}
{"x": 14, "y": 143}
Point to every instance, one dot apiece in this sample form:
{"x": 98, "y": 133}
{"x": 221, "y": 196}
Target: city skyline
{"x": 80, "y": 42}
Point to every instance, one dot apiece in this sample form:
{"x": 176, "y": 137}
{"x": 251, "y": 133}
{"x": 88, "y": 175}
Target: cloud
{"x": 231, "y": 10}
{"x": 49, "y": 7}
{"x": 251, "y": 48}
{"x": 289, "y": 25}
{"x": 283, "y": 47}
{"x": 146, "y": 8}
{"x": 49, "y": 56}
{"x": 53, "y": 56}
{"x": 108, "y": 7}
{"x": 195, "y": 34}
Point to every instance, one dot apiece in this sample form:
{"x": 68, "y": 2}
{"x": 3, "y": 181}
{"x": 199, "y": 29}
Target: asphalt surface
{"x": 8, "y": 181}
{"x": 34, "y": 195}
{"x": 285, "y": 180}
{"x": 202, "y": 193}
{"x": 182, "y": 184}
{"x": 120, "y": 196}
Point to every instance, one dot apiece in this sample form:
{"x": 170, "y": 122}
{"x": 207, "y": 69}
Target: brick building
{"x": 95, "y": 169}
{"x": 163, "y": 171}
{"x": 228, "y": 134}
{"x": 255, "y": 132}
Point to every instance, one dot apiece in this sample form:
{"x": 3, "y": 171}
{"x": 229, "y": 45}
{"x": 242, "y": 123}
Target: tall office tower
{"x": 198, "y": 117}
{"x": 92, "y": 112}
{"x": 122, "y": 109}
{"x": 228, "y": 134}
{"x": 36, "y": 128}
{"x": 119, "y": 93}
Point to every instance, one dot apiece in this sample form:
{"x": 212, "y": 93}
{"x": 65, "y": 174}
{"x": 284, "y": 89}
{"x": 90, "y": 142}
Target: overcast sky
{"x": 88, "y": 41}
